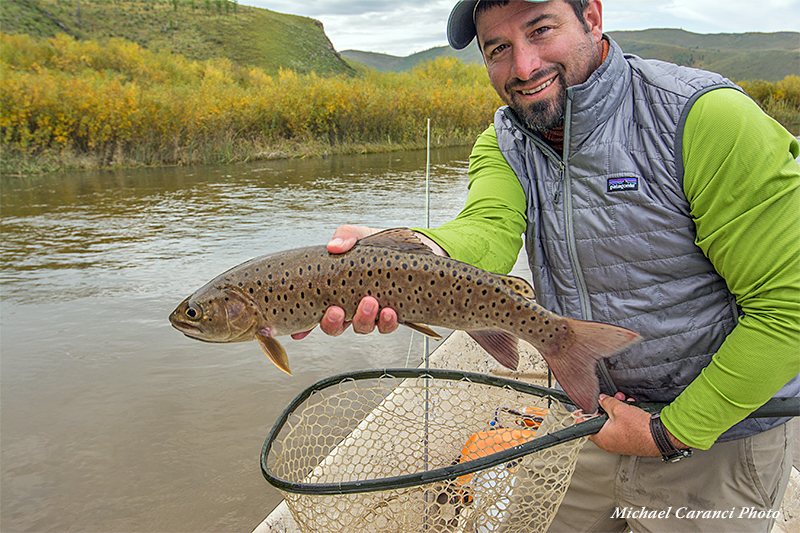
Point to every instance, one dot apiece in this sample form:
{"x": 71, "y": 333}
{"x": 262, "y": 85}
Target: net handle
{"x": 776, "y": 407}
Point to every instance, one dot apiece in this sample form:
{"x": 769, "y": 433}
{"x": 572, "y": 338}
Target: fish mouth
{"x": 190, "y": 331}
{"x": 201, "y": 338}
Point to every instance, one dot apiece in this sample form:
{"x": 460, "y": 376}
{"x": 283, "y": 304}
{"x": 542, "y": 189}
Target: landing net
{"x": 424, "y": 450}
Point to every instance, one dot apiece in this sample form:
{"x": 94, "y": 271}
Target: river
{"x": 111, "y": 420}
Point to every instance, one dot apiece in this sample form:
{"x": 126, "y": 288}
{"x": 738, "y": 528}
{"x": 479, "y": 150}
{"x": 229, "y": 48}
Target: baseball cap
{"x": 461, "y": 24}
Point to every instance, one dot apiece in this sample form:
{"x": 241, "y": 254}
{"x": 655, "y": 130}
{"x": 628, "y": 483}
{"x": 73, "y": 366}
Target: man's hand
{"x": 627, "y": 431}
{"x": 368, "y": 314}
{"x": 345, "y": 237}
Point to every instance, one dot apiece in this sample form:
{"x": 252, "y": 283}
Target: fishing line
{"x": 426, "y": 341}
{"x": 410, "y": 343}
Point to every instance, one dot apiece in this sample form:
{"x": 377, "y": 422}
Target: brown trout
{"x": 288, "y": 292}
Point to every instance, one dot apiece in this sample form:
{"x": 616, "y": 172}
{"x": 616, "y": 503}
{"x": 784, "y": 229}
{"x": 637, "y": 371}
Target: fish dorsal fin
{"x": 398, "y": 239}
{"x": 274, "y": 351}
{"x": 519, "y": 285}
{"x": 500, "y": 345}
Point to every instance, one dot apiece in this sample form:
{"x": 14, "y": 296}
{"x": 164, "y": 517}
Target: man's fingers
{"x": 366, "y": 315}
{"x": 609, "y": 404}
{"x": 333, "y": 322}
{"x": 345, "y": 237}
{"x": 387, "y": 320}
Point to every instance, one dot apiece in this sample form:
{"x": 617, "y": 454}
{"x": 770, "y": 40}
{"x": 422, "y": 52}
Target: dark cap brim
{"x": 461, "y": 24}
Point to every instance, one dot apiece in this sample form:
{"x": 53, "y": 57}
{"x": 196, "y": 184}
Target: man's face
{"x": 534, "y": 51}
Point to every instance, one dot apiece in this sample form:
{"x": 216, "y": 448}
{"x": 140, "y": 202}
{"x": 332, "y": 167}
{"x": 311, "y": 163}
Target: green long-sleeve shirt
{"x": 743, "y": 186}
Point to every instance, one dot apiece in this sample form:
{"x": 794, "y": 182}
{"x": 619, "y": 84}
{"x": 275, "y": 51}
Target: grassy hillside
{"x": 389, "y": 63}
{"x": 196, "y": 29}
{"x": 739, "y": 56}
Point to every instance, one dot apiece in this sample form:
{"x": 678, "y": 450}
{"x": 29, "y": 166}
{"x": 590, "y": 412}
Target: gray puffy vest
{"x": 610, "y": 237}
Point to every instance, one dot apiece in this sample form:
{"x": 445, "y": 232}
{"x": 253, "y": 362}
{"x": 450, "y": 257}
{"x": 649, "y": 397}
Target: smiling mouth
{"x": 538, "y": 89}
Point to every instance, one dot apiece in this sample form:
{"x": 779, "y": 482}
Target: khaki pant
{"x": 734, "y": 486}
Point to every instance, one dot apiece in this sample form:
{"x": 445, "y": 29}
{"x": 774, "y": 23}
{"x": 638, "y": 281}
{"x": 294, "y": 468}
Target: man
{"x": 658, "y": 198}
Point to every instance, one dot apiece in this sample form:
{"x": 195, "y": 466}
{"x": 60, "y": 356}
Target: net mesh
{"x": 387, "y": 427}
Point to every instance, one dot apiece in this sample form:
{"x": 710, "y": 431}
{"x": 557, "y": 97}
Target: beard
{"x": 545, "y": 115}
{"x": 549, "y": 114}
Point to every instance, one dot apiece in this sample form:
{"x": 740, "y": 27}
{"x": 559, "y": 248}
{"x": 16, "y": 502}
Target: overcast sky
{"x": 402, "y": 28}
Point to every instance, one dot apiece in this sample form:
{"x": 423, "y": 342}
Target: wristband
{"x": 669, "y": 453}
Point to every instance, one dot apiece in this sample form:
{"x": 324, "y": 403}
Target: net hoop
{"x": 576, "y": 431}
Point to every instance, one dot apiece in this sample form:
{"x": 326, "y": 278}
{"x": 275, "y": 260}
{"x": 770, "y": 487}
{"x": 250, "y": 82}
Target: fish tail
{"x": 574, "y": 361}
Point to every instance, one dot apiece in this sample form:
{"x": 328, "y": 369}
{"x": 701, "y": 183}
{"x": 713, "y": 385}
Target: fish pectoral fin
{"x": 519, "y": 286}
{"x": 274, "y": 351}
{"x": 421, "y": 328}
{"x": 398, "y": 239}
{"x": 500, "y": 345}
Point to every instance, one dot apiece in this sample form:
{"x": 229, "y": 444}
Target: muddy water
{"x": 110, "y": 420}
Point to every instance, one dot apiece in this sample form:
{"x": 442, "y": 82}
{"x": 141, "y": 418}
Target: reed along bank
{"x": 67, "y": 103}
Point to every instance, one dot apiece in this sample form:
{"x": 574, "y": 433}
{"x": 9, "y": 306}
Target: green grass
{"x": 196, "y": 29}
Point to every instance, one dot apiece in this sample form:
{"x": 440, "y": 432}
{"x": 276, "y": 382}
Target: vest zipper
{"x": 564, "y": 183}
{"x": 569, "y": 223}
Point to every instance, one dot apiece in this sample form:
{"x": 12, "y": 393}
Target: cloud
{"x": 403, "y": 28}
{"x": 397, "y": 28}
{"x": 737, "y": 15}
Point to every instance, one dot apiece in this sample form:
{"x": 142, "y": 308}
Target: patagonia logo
{"x": 623, "y": 184}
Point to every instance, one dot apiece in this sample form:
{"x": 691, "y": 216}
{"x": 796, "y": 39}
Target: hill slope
{"x": 739, "y": 56}
{"x": 197, "y": 29}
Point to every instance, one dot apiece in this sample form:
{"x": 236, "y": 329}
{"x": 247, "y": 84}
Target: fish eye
{"x": 194, "y": 311}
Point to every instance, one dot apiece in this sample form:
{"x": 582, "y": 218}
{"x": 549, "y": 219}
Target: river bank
{"x": 79, "y": 105}
{"x": 68, "y": 104}
{"x": 19, "y": 164}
